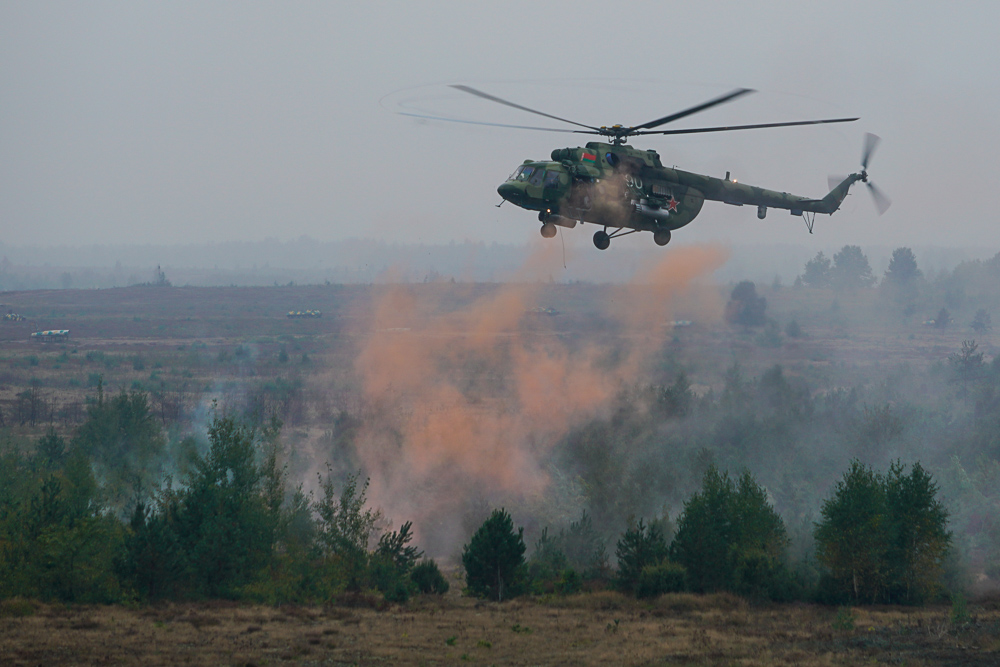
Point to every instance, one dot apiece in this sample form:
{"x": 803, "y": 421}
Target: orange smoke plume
{"x": 467, "y": 400}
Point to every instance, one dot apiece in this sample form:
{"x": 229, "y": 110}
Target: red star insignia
{"x": 672, "y": 204}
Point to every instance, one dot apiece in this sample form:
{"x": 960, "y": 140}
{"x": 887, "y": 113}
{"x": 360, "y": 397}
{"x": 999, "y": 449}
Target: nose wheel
{"x": 602, "y": 240}
{"x": 661, "y": 237}
{"x": 548, "y": 230}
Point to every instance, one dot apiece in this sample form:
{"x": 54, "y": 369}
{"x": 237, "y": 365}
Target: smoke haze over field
{"x": 469, "y": 402}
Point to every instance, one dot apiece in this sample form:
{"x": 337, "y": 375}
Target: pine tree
{"x": 882, "y": 538}
{"x": 640, "y": 547}
{"x": 730, "y": 538}
{"x": 817, "y": 271}
{"x": 494, "y": 559}
{"x": 851, "y": 269}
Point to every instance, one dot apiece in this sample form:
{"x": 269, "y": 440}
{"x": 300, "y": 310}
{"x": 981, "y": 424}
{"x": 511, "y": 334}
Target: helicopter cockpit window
{"x": 552, "y": 179}
{"x": 523, "y": 173}
{"x": 536, "y": 178}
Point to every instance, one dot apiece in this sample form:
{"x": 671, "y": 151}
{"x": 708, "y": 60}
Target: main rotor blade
{"x": 493, "y": 98}
{"x": 693, "y": 110}
{"x": 882, "y": 203}
{"x": 695, "y": 130}
{"x": 871, "y": 143}
{"x": 476, "y": 122}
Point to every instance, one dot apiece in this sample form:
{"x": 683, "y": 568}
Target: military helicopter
{"x": 626, "y": 190}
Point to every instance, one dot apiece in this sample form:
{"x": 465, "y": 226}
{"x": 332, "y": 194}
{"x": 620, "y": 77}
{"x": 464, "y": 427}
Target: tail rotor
{"x": 882, "y": 202}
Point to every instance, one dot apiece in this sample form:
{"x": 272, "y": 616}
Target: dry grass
{"x": 602, "y": 628}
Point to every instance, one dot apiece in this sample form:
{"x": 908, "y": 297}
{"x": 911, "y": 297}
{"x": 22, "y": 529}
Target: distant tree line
{"x": 905, "y": 284}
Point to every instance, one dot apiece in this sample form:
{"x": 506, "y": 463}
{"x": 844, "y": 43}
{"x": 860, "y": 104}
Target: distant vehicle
{"x": 539, "y": 310}
{"x": 52, "y": 334}
{"x": 296, "y": 314}
{"x": 14, "y": 317}
{"x": 680, "y": 323}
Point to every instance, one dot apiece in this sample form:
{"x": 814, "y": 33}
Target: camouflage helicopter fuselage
{"x": 619, "y": 187}
{"x": 623, "y": 188}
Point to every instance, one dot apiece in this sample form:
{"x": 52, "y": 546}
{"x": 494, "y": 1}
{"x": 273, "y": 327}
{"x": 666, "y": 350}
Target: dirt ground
{"x": 592, "y": 629}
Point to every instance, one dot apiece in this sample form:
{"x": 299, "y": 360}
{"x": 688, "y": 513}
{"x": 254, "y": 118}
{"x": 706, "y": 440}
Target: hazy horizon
{"x": 308, "y": 261}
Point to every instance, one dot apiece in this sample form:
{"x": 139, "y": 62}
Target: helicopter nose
{"x": 508, "y": 190}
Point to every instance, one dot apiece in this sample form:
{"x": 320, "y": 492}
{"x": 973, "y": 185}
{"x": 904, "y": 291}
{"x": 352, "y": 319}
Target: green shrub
{"x": 844, "y": 620}
{"x": 959, "y": 610}
{"x": 745, "y": 307}
{"x": 17, "y": 607}
{"x": 428, "y": 578}
{"x": 770, "y": 336}
{"x": 569, "y": 583}
{"x": 664, "y": 577}
{"x": 388, "y": 579}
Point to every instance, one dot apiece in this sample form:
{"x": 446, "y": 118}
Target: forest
{"x": 765, "y": 473}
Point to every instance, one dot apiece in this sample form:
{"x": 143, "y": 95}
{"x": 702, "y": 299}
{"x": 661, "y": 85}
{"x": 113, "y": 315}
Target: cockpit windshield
{"x": 523, "y": 173}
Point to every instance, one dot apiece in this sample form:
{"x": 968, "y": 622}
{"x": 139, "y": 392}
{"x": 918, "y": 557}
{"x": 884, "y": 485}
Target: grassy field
{"x": 594, "y": 629}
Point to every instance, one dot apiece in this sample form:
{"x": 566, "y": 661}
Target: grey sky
{"x": 208, "y": 122}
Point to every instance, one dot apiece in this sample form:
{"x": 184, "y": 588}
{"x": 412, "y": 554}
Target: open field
{"x": 184, "y": 344}
{"x": 594, "y": 629}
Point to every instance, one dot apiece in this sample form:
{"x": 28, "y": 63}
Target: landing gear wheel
{"x": 661, "y": 237}
{"x": 548, "y": 230}
{"x": 602, "y": 240}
